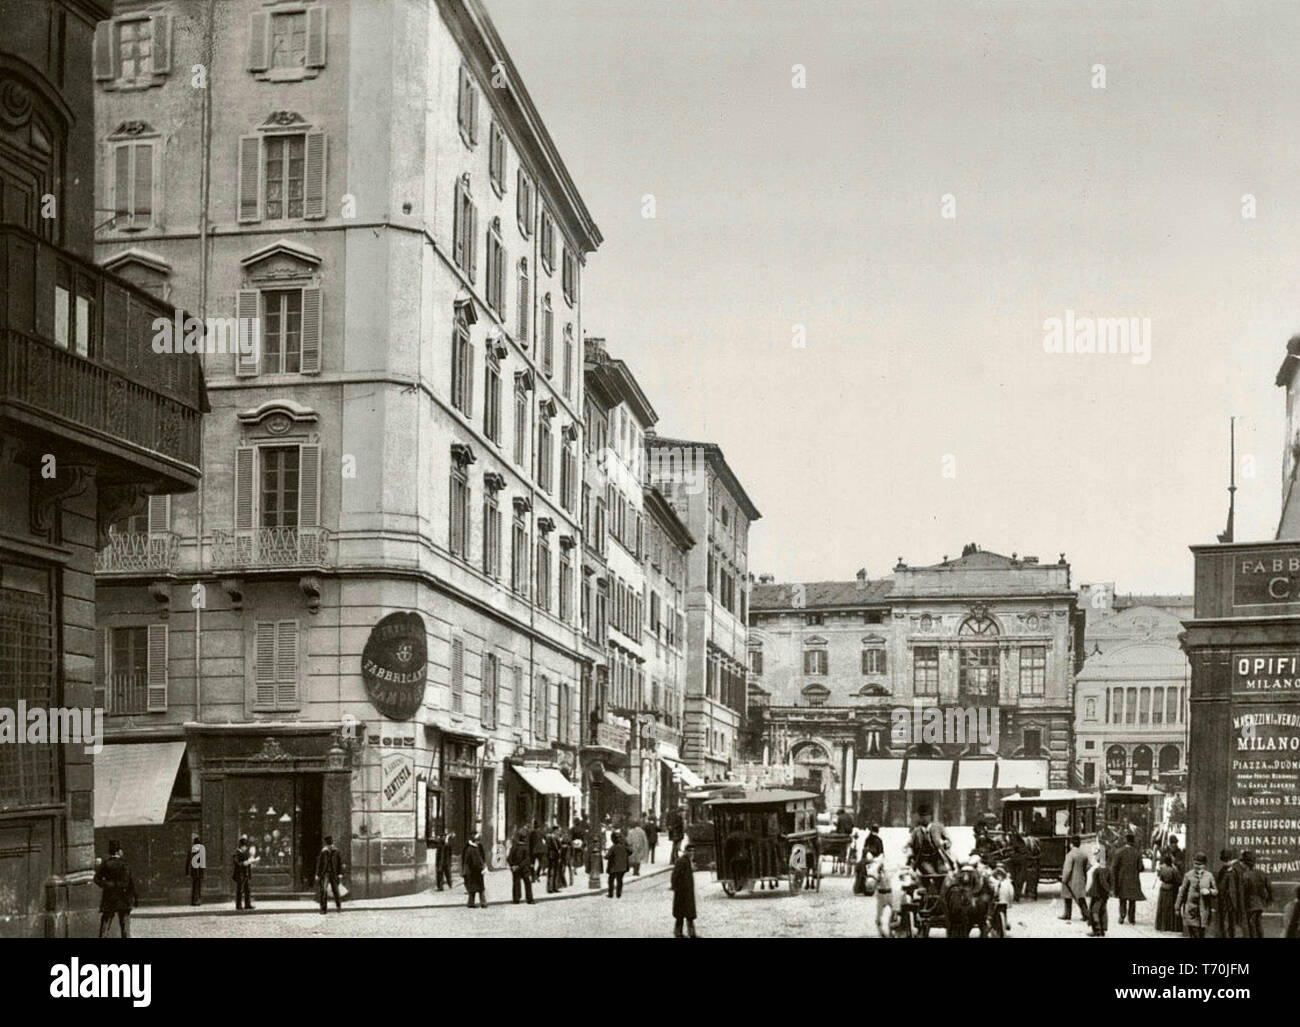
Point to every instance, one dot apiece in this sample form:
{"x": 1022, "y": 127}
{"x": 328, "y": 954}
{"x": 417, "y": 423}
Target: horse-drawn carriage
{"x": 764, "y": 837}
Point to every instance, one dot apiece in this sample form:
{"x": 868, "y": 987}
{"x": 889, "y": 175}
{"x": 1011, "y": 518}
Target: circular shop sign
{"x": 395, "y": 665}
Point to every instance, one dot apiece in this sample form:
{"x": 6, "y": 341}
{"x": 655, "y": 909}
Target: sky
{"x": 922, "y": 411}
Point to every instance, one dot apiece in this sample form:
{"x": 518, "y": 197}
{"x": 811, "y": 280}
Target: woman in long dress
{"x": 1166, "y": 913}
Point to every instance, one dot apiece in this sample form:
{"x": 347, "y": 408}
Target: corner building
{"x": 367, "y": 190}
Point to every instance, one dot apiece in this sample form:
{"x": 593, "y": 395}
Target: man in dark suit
{"x": 676, "y": 832}
{"x": 1126, "y": 875}
{"x": 195, "y": 865}
{"x": 442, "y": 857}
{"x": 242, "y": 872}
{"x": 118, "y": 897}
{"x": 329, "y": 868}
{"x": 537, "y": 850}
{"x": 521, "y": 869}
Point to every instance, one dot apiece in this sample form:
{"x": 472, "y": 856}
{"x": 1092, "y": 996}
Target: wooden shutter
{"x": 105, "y": 59}
{"x": 473, "y": 113}
{"x": 883, "y": 661}
{"x": 471, "y": 243}
{"x": 248, "y": 332}
{"x": 157, "y": 677}
{"x": 457, "y": 676}
{"x": 316, "y": 32}
{"x": 257, "y": 48}
{"x": 518, "y": 695}
{"x": 286, "y": 664}
{"x": 160, "y": 513}
{"x": 121, "y": 192}
{"x": 250, "y": 170}
{"x": 313, "y": 195}
{"x": 244, "y": 488}
{"x": 162, "y": 44}
{"x": 142, "y": 193}
{"x": 264, "y": 661}
{"x": 308, "y": 486}
{"x": 103, "y": 657}
{"x": 311, "y": 304}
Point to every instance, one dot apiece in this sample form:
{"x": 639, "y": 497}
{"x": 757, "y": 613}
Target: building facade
{"x": 92, "y": 421}
{"x": 711, "y": 502}
{"x": 946, "y": 684}
{"x": 372, "y": 607}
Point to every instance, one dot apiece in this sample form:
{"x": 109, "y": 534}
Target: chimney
{"x": 862, "y": 577}
{"x": 766, "y": 579}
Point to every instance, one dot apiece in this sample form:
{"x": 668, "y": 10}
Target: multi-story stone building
{"x": 1130, "y": 703}
{"x": 717, "y": 512}
{"x": 843, "y": 672}
{"x": 376, "y": 589}
{"x": 92, "y": 420}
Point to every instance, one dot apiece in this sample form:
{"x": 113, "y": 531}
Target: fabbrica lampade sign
{"x": 1266, "y": 577}
{"x": 1264, "y": 786}
{"x": 395, "y": 665}
{"x": 1265, "y": 673}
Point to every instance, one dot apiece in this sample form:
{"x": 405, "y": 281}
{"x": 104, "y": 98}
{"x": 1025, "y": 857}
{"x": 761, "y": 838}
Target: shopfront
{"x": 1244, "y": 722}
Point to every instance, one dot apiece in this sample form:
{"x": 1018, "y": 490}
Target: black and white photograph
{"x": 650, "y": 469}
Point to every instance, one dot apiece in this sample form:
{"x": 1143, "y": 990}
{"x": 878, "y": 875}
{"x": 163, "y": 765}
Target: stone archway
{"x": 812, "y": 759}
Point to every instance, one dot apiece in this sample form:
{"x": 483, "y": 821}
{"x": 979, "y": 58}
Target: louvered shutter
{"x": 157, "y": 698}
{"x": 142, "y": 193}
{"x": 311, "y": 304}
{"x": 162, "y": 44}
{"x": 884, "y": 661}
{"x": 122, "y": 186}
{"x": 457, "y": 676}
{"x": 250, "y": 169}
{"x": 286, "y": 664}
{"x": 160, "y": 514}
{"x": 473, "y": 113}
{"x": 248, "y": 332}
{"x": 471, "y": 244}
{"x": 518, "y": 695}
{"x": 257, "y": 48}
{"x": 313, "y": 197}
{"x": 102, "y": 641}
{"x": 105, "y": 59}
{"x": 264, "y": 658}
{"x": 469, "y": 381}
{"x": 308, "y": 486}
{"x": 244, "y": 488}
{"x": 316, "y": 34}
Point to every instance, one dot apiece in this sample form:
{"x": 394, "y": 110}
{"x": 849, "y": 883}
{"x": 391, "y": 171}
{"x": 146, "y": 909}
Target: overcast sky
{"x": 822, "y": 207}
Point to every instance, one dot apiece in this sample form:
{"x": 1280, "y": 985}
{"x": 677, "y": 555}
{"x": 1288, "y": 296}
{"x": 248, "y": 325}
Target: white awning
{"x": 619, "y": 784}
{"x": 878, "y": 775}
{"x": 928, "y": 775}
{"x": 1022, "y": 773}
{"x": 975, "y": 773}
{"x": 134, "y": 782}
{"x": 681, "y": 772}
{"x": 548, "y": 781}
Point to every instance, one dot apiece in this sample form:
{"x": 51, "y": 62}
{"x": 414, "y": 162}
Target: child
{"x": 1004, "y": 893}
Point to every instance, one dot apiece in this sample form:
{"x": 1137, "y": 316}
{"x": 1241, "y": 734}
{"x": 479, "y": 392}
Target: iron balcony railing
{"x": 266, "y": 548}
{"x": 126, "y": 693}
{"x": 137, "y": 551}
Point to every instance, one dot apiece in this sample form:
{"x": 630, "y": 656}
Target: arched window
{"x": 1117, "y": 764}
{"x": 1142, "y": 760}
{"x": 816, "y": 695}
{"x": 1170, "y": 760}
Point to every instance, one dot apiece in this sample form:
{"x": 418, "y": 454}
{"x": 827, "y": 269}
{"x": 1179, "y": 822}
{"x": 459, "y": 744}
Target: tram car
{"x": 763, "y": 837}
{"x": 1051, "y": 816}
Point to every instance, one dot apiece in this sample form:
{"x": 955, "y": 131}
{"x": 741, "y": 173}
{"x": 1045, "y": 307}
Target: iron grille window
{"x": 28, "y": 672}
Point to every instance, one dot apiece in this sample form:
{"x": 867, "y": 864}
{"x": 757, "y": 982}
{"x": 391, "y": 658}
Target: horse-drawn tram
{"x": 1131, "y": 809}
{"x": 765, "y": 836}
{"x": 1051, "y": 816}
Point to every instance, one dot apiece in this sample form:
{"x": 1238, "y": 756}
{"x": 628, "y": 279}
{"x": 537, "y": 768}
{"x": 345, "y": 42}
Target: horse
{"x": 968, "y": 900}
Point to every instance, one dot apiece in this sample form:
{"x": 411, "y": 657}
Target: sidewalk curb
{"x": 309, "y": 906}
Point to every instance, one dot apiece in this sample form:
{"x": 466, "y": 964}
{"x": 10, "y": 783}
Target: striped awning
{"x": 681, "y": 772}
{"x": 975, "y": 773}
{"x": 1022, "y": 773}
{"x": 619, "y": 784}
{"x": 548, "y": 781}
{"x": 878, "y": 775}
{"x": 928, "y": 775}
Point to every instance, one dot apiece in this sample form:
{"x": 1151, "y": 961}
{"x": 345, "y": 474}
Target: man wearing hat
{"x": 195, "y": 864}
{"x": 683, "y": 888}
{"x": 329, "y": 868}
{"x": 1196, "y": 896}
{"x": 930, "y": 843}
{"x": 114, "y": 877}
{"x": 1256, "y": 894}
{"x": 242, "y": 873}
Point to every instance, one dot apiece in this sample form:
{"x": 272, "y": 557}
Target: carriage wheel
{"x": 729, "y": 889}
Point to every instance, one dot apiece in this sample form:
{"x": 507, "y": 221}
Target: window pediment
{"x": 815, "y": 641}
{"x": 280, "y": 260}
{"x": 277, "y": 416}
{"x": 873, "y": 640}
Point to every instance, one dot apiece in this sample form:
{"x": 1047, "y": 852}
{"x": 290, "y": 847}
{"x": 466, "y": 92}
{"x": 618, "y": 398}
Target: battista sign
{"x": 395, "y": 665}
{"x": 1266, "y": 577}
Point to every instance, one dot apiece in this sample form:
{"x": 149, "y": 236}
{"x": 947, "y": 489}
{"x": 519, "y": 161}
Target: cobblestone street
{"x": 643, "y": 912}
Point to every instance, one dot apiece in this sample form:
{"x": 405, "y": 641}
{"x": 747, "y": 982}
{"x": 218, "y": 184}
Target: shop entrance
{"x": 459, "y": 806}
{"x": 281, "y": 815}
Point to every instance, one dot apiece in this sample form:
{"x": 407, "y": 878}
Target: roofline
{"x": 1286, "y": 372}
{"x": 659, "y": 507}
{"x": 472, "y": 15}
{"x": 713, "y": 453}
{"x": 621, "y": 384}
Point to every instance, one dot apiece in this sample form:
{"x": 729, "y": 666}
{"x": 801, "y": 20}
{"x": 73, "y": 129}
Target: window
{"x": 1033, "y": 742}
{"x": 1033, "y": 670}
{"x": 133, "y": 186}
{"x": 76, "y": 302}
{"x": 548, "y": 337}
{"x": 814, "y": 619}
{"x": 467, "y": 108}
{"x": 568, "y": 361}
{"x": 925, "y": 670}
{"x": 464, "y": 229}
{"x": 287, "y": 45}
{"x": 134, "y": 48}
{"x": 462, "y": 369}
{"x": 815, "y": 661}
{"x": 289, "y": 39}
{"x": 569, "y": 276}
{"x": 457, "y": 675}
{"x": 519, "y": 558}
{"x": 276, "y": 661}
{"x": 282, "y": 176}
{"x": 279, "y": 491}
{"x": 491, "y": 685}
{"x": 521, "y": 425}
{"x": 28, "y": 641}
{"x": 548, "y": 242}
{"x": 873, "y": 661}
{"x": 289, "y": 321}
{"x": 544, "y": 448}
{"x": 524, "y": 205}
{"x": 568, "y": 475}
{"x": 543, "y": 574}
{"x": 497, "y": 158}
{"x": 1130, "y": 706}
{"x": 1144, "y": 706}
{"x": 565, "y": 725}
{"x": 874, "y": 617}
{"x": 517, "y": 696}
{"x": 133, "y": 670}
{"x": 756, "y": 661}
{"x": 1090, "y": 709}
{"x": 496, "y": 270}
{"x": 525, "y": 303}
{"x": 978, "y": 670}
{"x": 566, "y": 586}
{"x": 459, "y": 535}
{"x": 541, "y": 708}
{"x": 491, "y": 535}
{"x": 492, "y": 395}
{"x": 1157, "y": 705}
{"x": 282, "y": 331}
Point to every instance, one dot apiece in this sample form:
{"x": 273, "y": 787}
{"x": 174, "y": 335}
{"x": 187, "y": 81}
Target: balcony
{"x": 270, "y": 549}
{"x": 126, "y": 694}
{"x": 137, "y": 552}
{"x": 78, "y": 367}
